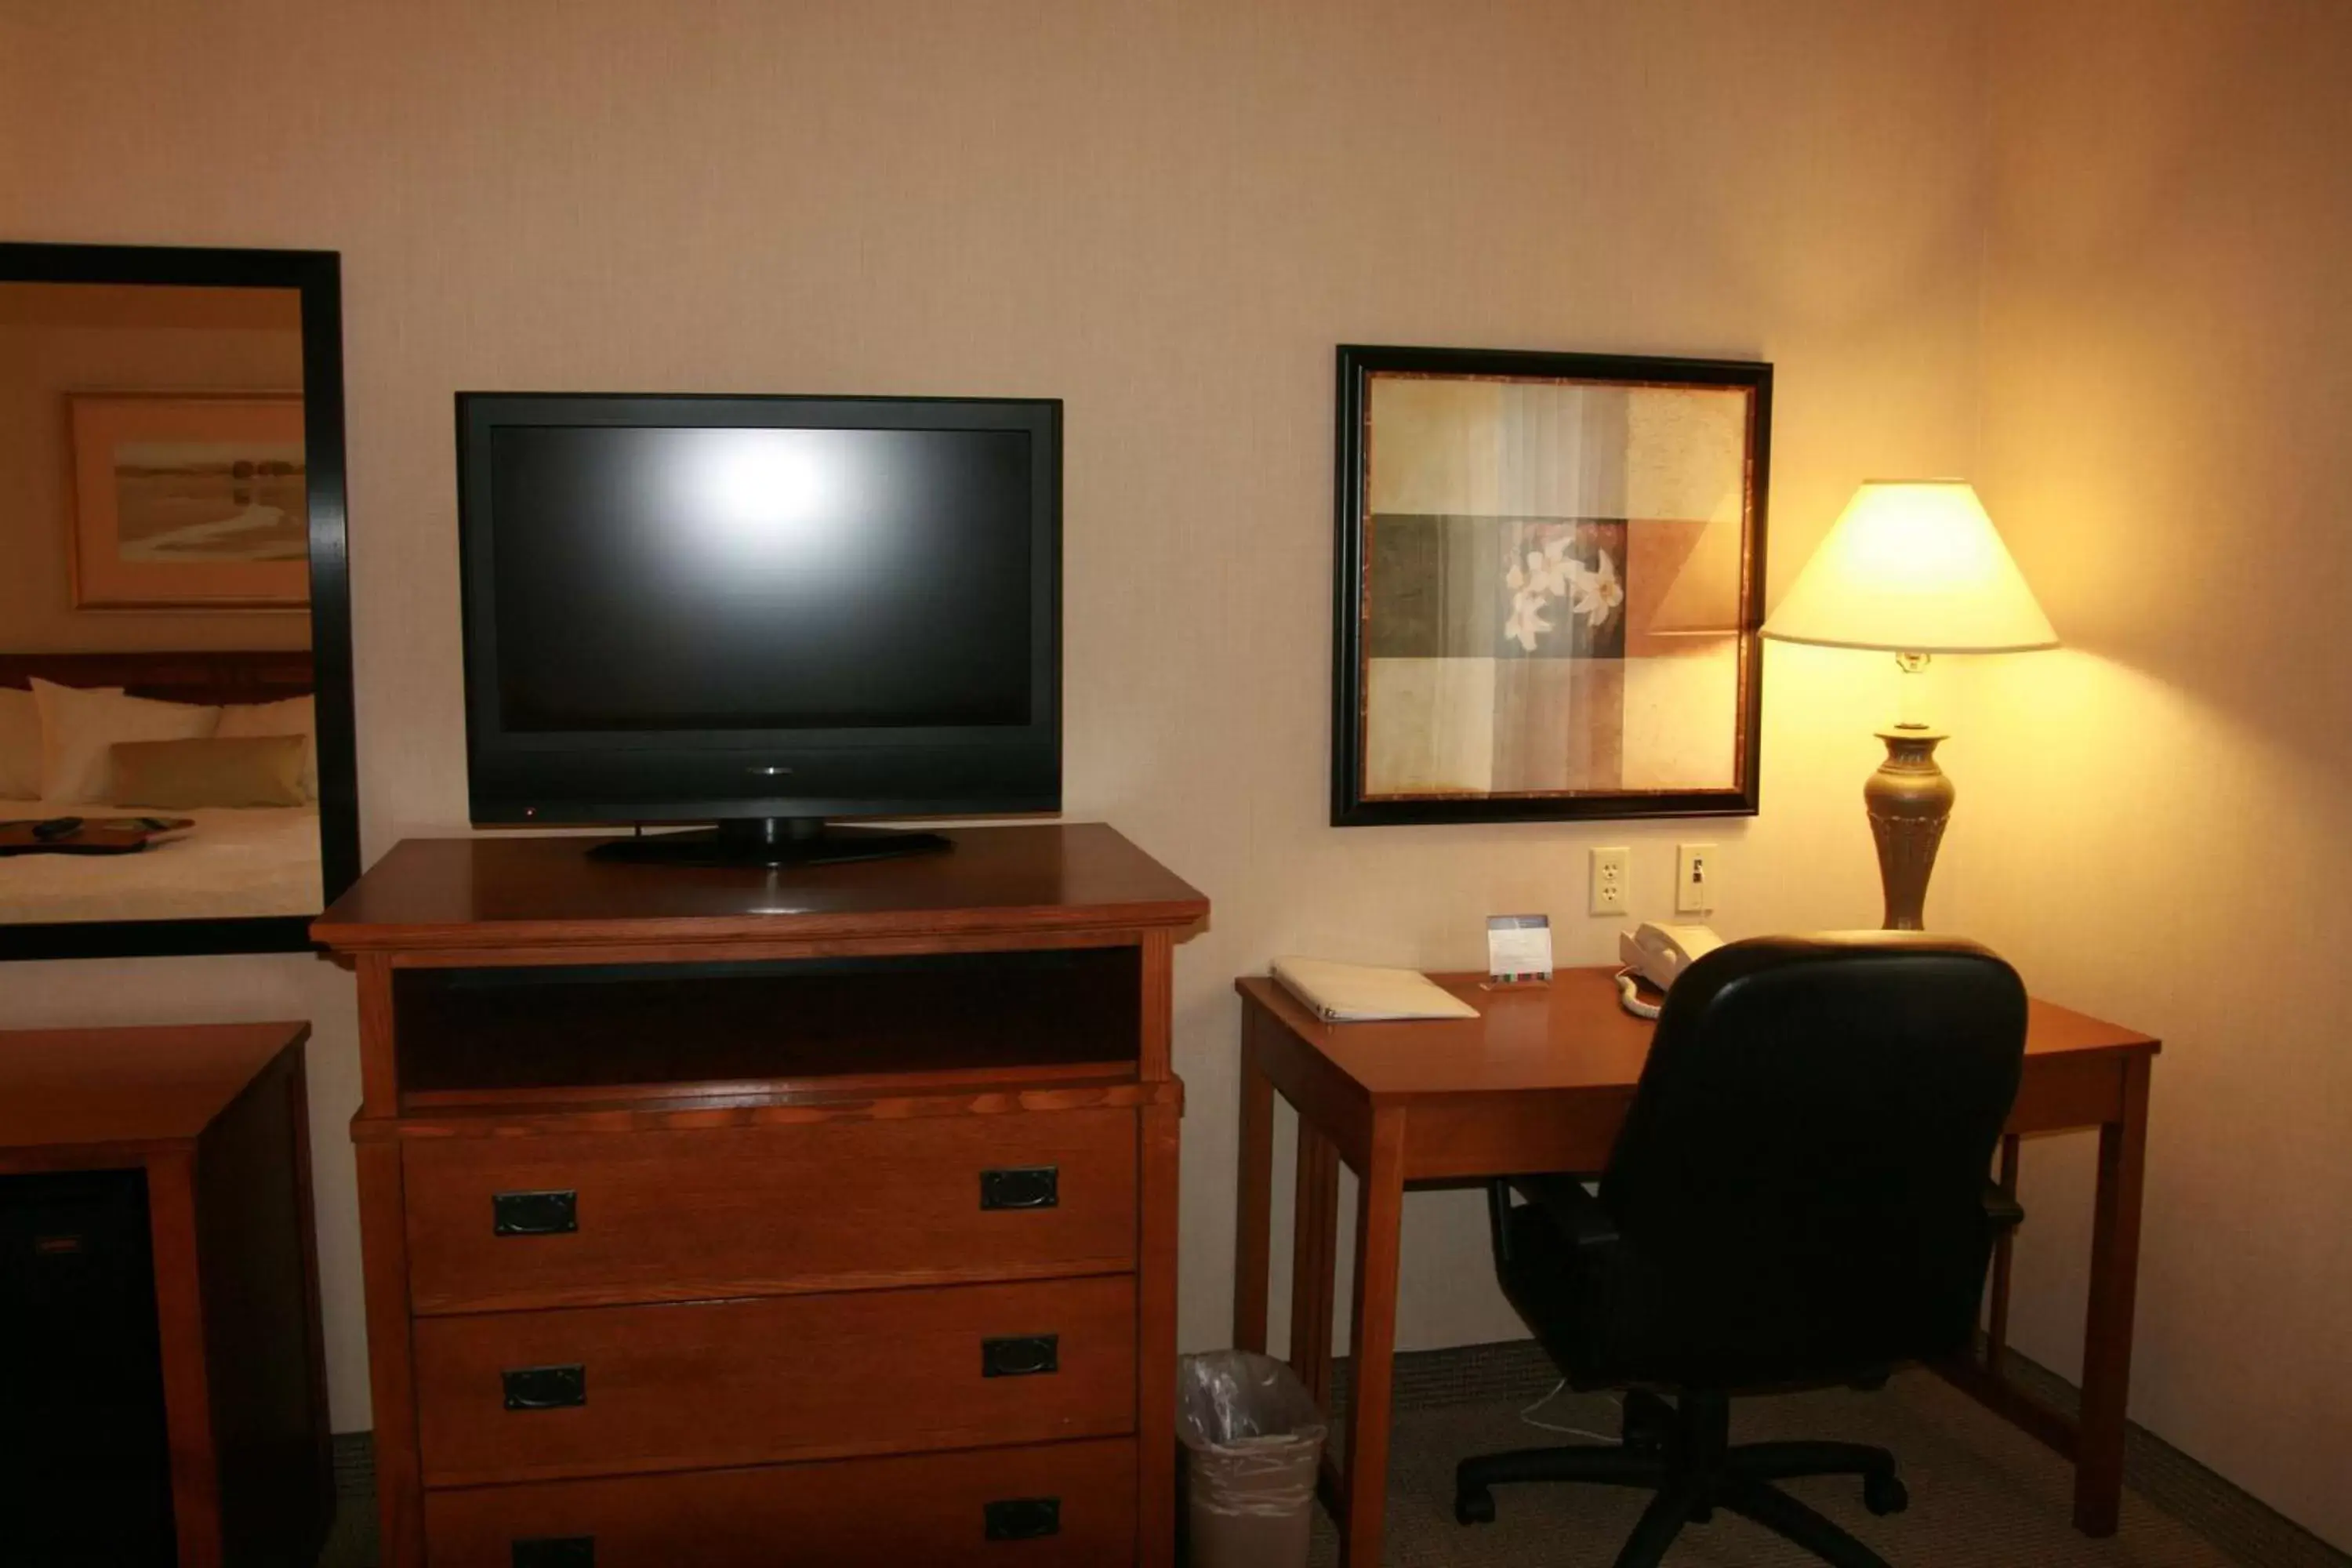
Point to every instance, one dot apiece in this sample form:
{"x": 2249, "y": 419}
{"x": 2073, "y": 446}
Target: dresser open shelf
{"x": 776, "y": 1027}
{"x": 841, "y": 1202}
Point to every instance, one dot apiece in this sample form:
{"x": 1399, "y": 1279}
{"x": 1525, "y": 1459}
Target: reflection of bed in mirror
{"x": 236, "y": 860}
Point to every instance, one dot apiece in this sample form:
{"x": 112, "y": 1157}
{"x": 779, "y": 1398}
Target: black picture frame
{"x": 1351, "y": 804}
{"x": 317, "y": 277}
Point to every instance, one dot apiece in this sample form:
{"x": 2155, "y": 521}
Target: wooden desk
{"x": 1541, "y": 1083}
{"x": 218, "y": 1117}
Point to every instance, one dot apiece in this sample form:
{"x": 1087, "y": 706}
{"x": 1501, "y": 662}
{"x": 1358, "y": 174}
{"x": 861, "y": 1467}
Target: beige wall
{"x": 56, "y": 341}
{"x": 2157, "y": 814}
{"x": 1166, "y": 214}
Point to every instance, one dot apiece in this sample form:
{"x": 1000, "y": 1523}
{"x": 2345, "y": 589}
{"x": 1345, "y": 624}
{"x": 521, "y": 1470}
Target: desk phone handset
{"x": 1657, "y": 954}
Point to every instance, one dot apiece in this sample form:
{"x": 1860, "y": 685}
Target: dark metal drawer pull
{"x": 1025, "y": 1355}
{"x": 545, "y": 1387}
{"x": 534, "y": 1214}
{"x": 1022, "y": 1187}
{"x": 556, "y": 1551}
{"x": 1024, "y": 1519}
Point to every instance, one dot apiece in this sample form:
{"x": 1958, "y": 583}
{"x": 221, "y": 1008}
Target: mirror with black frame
{"x": 176, "y": 760}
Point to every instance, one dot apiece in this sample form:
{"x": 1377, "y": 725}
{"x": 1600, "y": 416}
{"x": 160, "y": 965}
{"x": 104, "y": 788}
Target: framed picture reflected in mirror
{"x": 189, "y": 501}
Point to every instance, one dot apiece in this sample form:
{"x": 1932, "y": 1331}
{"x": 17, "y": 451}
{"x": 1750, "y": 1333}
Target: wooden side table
{"x": 217, "y": 1117}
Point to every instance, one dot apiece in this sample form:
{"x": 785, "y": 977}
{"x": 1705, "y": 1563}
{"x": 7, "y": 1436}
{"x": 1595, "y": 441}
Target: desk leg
{"x": 2003, "y": 1262}
{"x": 1254, "y": 1218}
{"x": 1380, "y": 1216}
{"x": 2107, "y": 1333}
{"x": 1314, "y": 1261}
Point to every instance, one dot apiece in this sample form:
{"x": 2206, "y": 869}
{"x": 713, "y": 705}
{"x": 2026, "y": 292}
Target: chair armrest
{"x": 2005, "y": 1211}
{"x": 1574, "y": 1213}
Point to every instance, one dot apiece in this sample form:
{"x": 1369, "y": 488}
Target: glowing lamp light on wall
{"x": 1912, "y": 567}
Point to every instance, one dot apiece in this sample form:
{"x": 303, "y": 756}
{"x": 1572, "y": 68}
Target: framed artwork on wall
{"x": 1549, "y": 586}
{"x": 189, "y": 502}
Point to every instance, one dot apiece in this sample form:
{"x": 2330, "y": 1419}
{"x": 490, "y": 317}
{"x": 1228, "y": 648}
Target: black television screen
{"x": 760, "y": 579}
{"x": 683, "y": 608}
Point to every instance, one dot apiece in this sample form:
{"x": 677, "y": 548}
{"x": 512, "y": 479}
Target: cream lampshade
{"x": 1912, "y": 567}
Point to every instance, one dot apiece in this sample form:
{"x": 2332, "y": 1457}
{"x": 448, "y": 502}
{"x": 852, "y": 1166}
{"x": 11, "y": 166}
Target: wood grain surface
{"x": 519, "y": 891}
{"x": 698, "y": 1215}
{"x": 129, "y": 1087}
{"x": 1567, "y": 1034}
{"x": 924, "y": 1511}
{"x": 715, "y": 1383}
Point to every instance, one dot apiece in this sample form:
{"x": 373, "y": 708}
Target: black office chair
{"x": 1799, "y": 1199}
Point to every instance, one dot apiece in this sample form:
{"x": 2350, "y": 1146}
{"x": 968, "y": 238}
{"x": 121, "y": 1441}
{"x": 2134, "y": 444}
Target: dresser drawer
{"x": 1061, "y": 1506}
{"x": 581, "y": 1218}
{"x": 538, "y": 1395}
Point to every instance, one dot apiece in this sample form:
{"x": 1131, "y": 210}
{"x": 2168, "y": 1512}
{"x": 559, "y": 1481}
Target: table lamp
{"x": 1912, "y": 567}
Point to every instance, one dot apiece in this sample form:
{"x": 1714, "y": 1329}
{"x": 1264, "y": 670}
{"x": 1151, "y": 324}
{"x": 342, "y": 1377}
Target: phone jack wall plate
{"x": 1694, "y": 879}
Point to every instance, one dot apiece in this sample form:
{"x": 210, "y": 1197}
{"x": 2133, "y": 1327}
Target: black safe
{"x": 85, "y": 1463}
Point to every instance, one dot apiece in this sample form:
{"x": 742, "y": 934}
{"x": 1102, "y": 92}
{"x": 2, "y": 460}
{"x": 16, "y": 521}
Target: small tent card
{"x": 1518, "y": 948}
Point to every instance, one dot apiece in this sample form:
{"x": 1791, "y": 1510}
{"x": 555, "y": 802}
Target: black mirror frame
{"x": 316, "y": 275}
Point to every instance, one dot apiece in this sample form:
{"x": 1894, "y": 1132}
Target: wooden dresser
{"x": 193, "y": 1432}
{"x": 728, "y": 1216}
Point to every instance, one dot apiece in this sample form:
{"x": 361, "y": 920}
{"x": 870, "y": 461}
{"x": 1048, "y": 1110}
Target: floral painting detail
{"x": 1565, "y": 588}
{"x": 1527, "y": 622}
{"x": 1594, "y": 594}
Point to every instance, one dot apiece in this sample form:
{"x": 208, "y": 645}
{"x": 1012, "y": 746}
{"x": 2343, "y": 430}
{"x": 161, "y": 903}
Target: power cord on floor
{"x": 1529, "y": 1417}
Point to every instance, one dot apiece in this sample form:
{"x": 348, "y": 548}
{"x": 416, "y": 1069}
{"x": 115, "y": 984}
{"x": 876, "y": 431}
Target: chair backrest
{"x": 1799, "y": 1184}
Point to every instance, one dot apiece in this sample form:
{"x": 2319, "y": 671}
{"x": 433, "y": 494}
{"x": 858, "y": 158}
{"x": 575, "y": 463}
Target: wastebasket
{"x": 1252, "y": 1443}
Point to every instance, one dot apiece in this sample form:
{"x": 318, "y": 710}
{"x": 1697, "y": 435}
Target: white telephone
{"x": 1658, "y": 954}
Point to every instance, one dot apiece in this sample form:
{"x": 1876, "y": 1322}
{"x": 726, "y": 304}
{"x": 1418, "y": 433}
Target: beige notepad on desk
{"x": 1361, "y": 993}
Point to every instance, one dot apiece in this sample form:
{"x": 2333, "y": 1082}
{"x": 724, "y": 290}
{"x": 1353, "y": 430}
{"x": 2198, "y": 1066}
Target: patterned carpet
{"x": 1983, "y": 1495}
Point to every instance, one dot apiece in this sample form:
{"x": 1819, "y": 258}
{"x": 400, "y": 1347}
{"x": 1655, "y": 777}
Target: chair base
{"x": 1685, "y": 1456}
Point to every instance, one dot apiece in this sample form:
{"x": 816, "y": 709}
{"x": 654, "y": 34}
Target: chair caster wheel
{"x": 1474, "y": 1506}
{"x": 1887, "y": 1494}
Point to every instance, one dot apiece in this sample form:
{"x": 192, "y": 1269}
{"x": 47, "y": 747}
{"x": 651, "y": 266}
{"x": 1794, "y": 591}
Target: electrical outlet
{"x": 1612, "y": 868}
{"x": 1694, "y": 879}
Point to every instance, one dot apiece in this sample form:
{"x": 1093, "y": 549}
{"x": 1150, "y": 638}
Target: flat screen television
{"x": 760, "y": 613}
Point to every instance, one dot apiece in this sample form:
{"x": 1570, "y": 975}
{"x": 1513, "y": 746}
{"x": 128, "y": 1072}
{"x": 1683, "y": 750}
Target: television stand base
{"x": 770, "y": 842}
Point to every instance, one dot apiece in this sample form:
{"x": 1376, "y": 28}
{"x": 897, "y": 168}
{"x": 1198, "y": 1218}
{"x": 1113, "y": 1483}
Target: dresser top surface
{"x": 511, "y": 892}
{"x": 64, "y": 1088}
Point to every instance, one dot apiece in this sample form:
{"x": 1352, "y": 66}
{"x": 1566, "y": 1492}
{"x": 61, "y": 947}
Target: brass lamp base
{"x": 1908, "y": 800}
